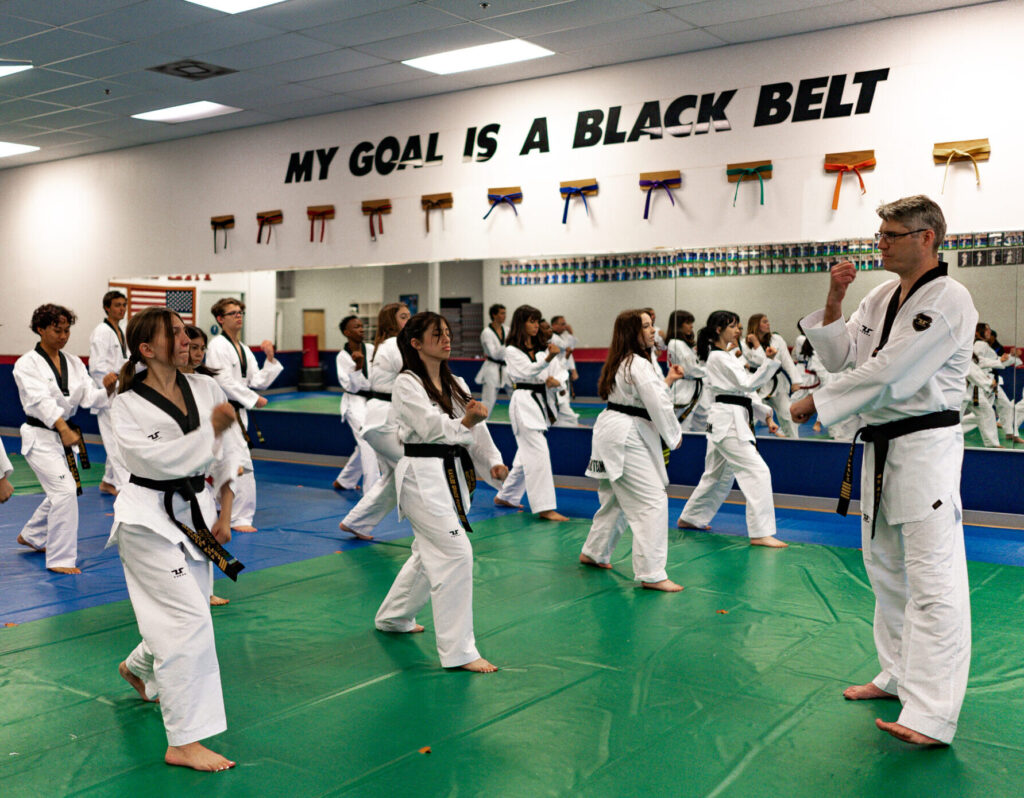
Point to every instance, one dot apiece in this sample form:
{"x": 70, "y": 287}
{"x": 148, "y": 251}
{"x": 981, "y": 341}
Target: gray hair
{"x": 917, "y": 212}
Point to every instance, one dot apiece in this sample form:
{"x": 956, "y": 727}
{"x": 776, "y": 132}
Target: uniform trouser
{"x": 922, "y": 623}
{"x": 362, "y": 463}
{"x": 1004, "y": 409}
{"x": 981, "y": 416}
{"x": 530, "y": 472}
{"x": 440, "y": 570}
{"x": 638, "y": 498}
{"x": 115, "y": 472}
{"x": 243, "y": 508}
{"x": 177, "y": 658}
{"x": 844, "y": 430}
{"x": 697, "y": 421}
{"x": 780, "y": 403}
{"x": 726, "y": 459}
{"x": 54, "y": 524}
{"x": 489, "y": 394}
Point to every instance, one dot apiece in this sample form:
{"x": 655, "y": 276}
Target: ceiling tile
{"x": 128, "y": 129}
{"x": 54, "y": 137}
{"x": 466, "y": 34}
{"x": 62, "y": 12}
{"x": 718, "y": 12}
{"x": 12, "y": 28}
{"x": 118, "y": 60}
{"x": 16, "y": 110}
{"x": 563, "y": 16}
{"x": 87, "y": 93}
{"x": 286, "y": 47}
{"x": 383, "y": 25}
{"x": 333, "y": 62}
{"x": 651, "y": 24}
{"x": 229, "y": 121}
{"x": 215, "y": 34}
{"x": 424, "y": 87}
{"x": 145, "y": 19}
{"x": 651, "y": 47}
{"x": 16, "y": 131}
{"x": 301, "y": 14}
{"x": 539, "y": 67}
{"x": 902, "y": 7}
{"x": 140, "y": 103}
{"x": 72, "y": 117}
{"x": 793, "y": 22}
{"x": 56, "y": 44}
{"x": 325, "y": 104}
{"x": 266, "y": 94}
{"x": 470, "y": 9}
{"x": 174, "y": 88}
{"x": 365, "y": 78}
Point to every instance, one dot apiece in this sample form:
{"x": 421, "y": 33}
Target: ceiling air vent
{"x": 191, "y": 70}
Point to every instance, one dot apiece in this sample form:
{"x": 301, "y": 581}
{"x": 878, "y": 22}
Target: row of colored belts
{"x": 575, "y": 191}
{"x": 69, "y": 453}
{"x": 668, "y": 184}
{"x": 245, "y": 433}
{"x": 640, "y": 412}
{"x": 743, "y": 171}
{"x": 449, "y": 454}
{"x": 187, "y": 488}
{"x": 949, "y": 153}
{"x": 268, "y": 220}
{"x": 879, "y": 435}
{"x": 322, "y": 216}
{"x": 379, "y": 212}
{"x": 540, "y": 396}
{"x": 498, "y": 199}
{"x": 843, "y": 168}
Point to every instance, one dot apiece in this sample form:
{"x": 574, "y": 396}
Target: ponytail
{"x": 142, "y": 329}
{"x": 127, "y": 375}
{"x": 708, "y": 335}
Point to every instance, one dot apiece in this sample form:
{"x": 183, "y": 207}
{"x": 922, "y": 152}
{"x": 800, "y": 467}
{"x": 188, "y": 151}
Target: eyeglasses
{"x": 888, "y": 238}
{"x": 234, "y": 313}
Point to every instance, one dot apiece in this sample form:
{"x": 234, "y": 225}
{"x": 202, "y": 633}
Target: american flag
{"x": 180, "y": 300}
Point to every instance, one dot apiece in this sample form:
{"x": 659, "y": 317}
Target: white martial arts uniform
{"x": 776, "y": 392}
{"x": 492, "y": 376}
{"x": 531, "y": 468}
{"x": 6, "y": 469}
{"x": 626, "y": 456}
{"x": 380, "y": 431}
{"x": 558, "y": 397}
{"x": 363, "y": 461}
{"x": 731, "y": 448}
{"x": 815, "y": 376}
{"x": 169, "y": 579}
{"x": 683, "y": 391}
{"x": 980, "y": 416}
{"x": 54, "y": 524}
{"x": 240, "y": 377}
{"x": 440, "y": 568}
{"x": 1004, "y": 408}
{"x": 107, "y": 353}
{"x": 916, "y": 561}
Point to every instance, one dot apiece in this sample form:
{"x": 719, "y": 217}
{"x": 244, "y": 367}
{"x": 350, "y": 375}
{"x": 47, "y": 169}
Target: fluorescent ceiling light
{"x": 6, "y": 148}
{"x": 186, "y": 113}
{"x": 9, "y": 66}
{"x": 234, "y": 6}
{"x": 479, "y": 57}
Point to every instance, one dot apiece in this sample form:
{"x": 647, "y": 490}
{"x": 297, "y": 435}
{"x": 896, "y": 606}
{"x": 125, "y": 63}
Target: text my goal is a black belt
{"x": 69, "y": 453}
{"x": 187, "y": 488}
{"x": 449, "y": 454}
{"x": 879, "y": 435}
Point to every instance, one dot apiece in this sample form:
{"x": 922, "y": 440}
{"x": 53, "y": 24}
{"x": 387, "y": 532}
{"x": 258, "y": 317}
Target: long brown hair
{"x": 193, "y": 333}
{"x": 387, "y": 322}
{"x": 753, "y": 323}
{"x": 142, "y": 329}
{"x": 517, "y": 336}
{"x": 418, "y": 327}
{"x": 627, "y": 341}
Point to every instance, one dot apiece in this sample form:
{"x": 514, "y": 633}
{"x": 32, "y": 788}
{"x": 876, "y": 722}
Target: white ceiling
{"x": 307, "y": 57}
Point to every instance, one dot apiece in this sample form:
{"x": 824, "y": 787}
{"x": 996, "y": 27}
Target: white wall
{"x": 331, "y": 290}
{"x": 67, "y": 226}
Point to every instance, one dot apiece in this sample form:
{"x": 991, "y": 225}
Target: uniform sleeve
{"x": 909, "y": 359}
{"x": 754, "y": 355}
{"x": 786, "y": 359}
{"x": 729, "y": 377}
{"x": 217, "y": 355}
{"x": 491, "y": 345}
{"x": 520, "y": 365}
{"x": 34, "y": 391}
{"x": 412, "y": 407}
{"x": 835, "y": 343}
{"x": 164, "y": 458}
{"x": 654, "y": 394}
{"x": 91, "y": 395}
{"x": 6, "y": 469}
{"x": 987, "y": 358}
{"x": 261, "y": 378}
{"x": 350, "y": 378}
{"x": 100, "y": 360}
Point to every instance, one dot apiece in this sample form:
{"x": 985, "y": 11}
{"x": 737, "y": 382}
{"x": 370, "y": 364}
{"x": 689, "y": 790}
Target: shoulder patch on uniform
{"x": 922, "y": 322}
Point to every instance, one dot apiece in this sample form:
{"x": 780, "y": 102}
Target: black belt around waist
{"x": 239, "y": 407}
{"x": 879, "y": 436}
{"x": 449, "y": 454}
{"x": 692, "y": 404}
{"x": 188, "y": 487}
{"x": 740, "y": 401}
{"x": 492, "y": 360}
{"x": 540, "y": 395}
{"x": 69, "y": 453}
{"x": 366, "y": 394}
{"x": 639, "y": 412}
{"x": 379, "y": 395}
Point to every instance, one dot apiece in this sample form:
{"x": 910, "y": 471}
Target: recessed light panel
{"x": 7, "y": 148}
{"x": 479, "y": 57}
{"x": 187, "y": 113}
{"x": 234, "y": 6}
{"x": 8, "y": 67}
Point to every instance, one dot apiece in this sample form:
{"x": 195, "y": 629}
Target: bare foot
{"x": 551, "y": 515}
{"x": 217, "y": 601}
{"x": 135, "y": 682}
{"x": 244, "y": 528}
{"x": 686, "y": 525}
{"x": 338, "y": 486}
{"x": 415, "y": 630}
{"x": 770, "y": 541}
{"x": 65, "y": 570}
{"x": 502, "y": 503}
{"x": 665, "y": 585}
{"x": 594, "y": 563}
{"x": 106, "y": 487}
{"x": 351, "y": 531}
{"x": 817, "y": 426}
{"x": 196, "y": 756}
{"x": 24, "y": 542}
{"x": 478, "y": 666}
{"x": 861, "y": 692}
{"x": 907, "y": 735}
{"x": 1017, "y": 439}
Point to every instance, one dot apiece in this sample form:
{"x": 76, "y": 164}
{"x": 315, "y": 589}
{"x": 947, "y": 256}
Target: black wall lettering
{"x": 712, "y": 111}
{"x": 325, "y": 157}
{"x": 470, "y": 143}
{"x": 413, "y": 152}
{"x": 649, "y": 116}
{"x": 360, "y": 162}
{"x": 300, "y": 167}
{"x": 432, "y": 156}
{"x": 809, "y": 96}
{"x": 834, "y": 105}
{"x": 773, "y": 104}
{"x": 537, "y": 138}
{"x": 612, "y": 134}
{"x": 868, "y": 81}
{"x": 386, "y": 163}
{"x": 588, "y": 128}
{"x": 487, "y": 141}
{"x": 675, "y": 111}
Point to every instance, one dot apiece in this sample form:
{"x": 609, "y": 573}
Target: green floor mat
{"x": 24, "y": 478}
{"x": 731, "y": 688}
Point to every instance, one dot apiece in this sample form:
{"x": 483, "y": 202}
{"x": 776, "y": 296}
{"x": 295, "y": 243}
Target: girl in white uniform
{"x": 441, "y": 428}
{"x": 690, "y": 399}
{"x": 353, "y": 367}
{"x": 777, "y": 390}
{"x": 627, "y": 456}
{"x": 379, "y": 430}
{"x": 531, "y": 414}
{"x": 52, "y": 387}
{"x": 732, "y": 452}
{"x": 173, "y": 431}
